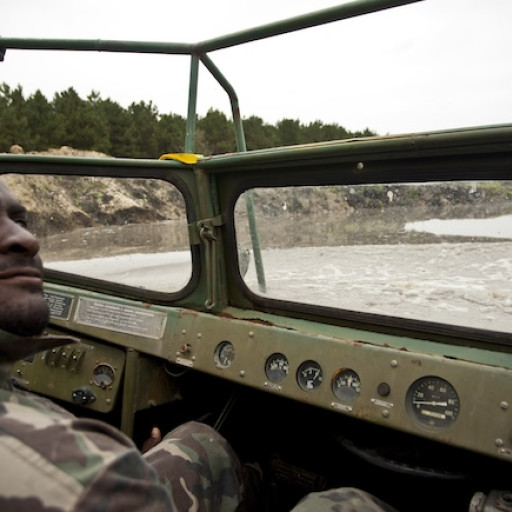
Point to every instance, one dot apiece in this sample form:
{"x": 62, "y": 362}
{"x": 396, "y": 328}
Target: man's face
{"x": 23, "y": 309}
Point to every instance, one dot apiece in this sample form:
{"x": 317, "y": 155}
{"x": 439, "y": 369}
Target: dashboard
{"x": 454, "y": 395}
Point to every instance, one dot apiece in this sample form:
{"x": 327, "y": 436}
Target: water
{"x": 462, "y": 284}
{"x": 467, "y": 284}
{"x": 497, "y": 227}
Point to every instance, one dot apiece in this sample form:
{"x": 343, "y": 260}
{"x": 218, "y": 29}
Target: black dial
{"x": 433, "y": 402}
{"x": 309, "y": 375}
{"x": 224, "y": 354}
{"x": 346, "y": 385}
{"x": 276, "y": 368}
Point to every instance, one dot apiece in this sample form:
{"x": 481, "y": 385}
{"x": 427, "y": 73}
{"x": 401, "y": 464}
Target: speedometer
{"x": 433, "y": 402}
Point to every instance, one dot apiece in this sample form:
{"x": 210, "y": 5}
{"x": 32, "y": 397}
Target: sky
{"x": 431, "y": 65}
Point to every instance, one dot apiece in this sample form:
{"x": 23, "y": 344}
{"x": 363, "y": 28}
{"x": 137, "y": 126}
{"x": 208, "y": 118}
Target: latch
{"x": 207, "y": 235}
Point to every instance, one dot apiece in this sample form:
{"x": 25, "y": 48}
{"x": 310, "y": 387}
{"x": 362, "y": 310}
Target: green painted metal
{"x": 241, "y": 147}
{"x": 192, "y": 104}
{"x": 256, "y": 247}
{"x": 322, "y": 17}
{"x": 207, "y": 235}
{"x": 129, "y": 391}
{"x": 235, "y": 106}
{"x": 199, "y": 50}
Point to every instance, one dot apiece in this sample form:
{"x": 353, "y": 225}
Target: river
{"x": 464, "y": 283}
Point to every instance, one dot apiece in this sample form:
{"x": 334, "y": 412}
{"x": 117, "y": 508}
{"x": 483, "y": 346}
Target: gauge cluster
{"x": 448, "y": 399}
{"x": 432, "y": 402}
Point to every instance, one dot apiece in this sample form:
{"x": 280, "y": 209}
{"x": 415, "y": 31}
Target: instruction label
{"x": 120, "y": 318}
{"x": 59, "y": 304}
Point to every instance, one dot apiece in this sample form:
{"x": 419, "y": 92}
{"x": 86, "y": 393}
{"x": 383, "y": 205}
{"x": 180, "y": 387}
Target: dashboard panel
{"x": 457, "y": 402}
{"x": 461, "y": 400}
{"x": 88, "y": 374}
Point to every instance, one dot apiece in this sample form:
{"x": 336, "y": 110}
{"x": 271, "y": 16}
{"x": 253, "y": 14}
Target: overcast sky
{"x": 432, "y": 65}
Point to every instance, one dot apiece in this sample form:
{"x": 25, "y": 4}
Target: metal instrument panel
{"x": 391, "y": 382}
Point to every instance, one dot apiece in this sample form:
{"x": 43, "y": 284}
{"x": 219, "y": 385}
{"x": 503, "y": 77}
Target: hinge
{"x": 205, "y": 232}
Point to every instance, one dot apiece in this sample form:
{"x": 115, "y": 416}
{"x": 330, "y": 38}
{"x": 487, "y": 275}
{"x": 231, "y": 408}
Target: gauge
{"x": 224, "y": 354}
{"x": 309, "y": 375}
{"x": 103, "y": 375}
{"x": 433, "y": 402}
{"x": 346, "y": 385}
{"x": 276, "y": 368}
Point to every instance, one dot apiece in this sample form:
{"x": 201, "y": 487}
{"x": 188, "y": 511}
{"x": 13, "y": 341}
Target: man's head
{"x": 23, "y": 309}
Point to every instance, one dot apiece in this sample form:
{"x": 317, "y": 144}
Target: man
{"x": 54, "y": 462}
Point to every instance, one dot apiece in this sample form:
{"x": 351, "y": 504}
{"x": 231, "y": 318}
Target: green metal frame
{"x": 198, "y": 51}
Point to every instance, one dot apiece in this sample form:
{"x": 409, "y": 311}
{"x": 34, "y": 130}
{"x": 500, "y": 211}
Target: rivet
{"x": 251, "y": 334}
{"x": 360, "y": 166}
{"x": 385, "y": 413}
{"x": 183, "y": 331}
{"x": 394, "y": 363}
{"x": 242, "y": 373}
{"x": 504, "y": 405}
{"x": 498, "y": 442}
{"x": 199, "y": 335}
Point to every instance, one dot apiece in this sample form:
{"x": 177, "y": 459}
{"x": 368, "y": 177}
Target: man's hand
{"x": 154, "y": 438}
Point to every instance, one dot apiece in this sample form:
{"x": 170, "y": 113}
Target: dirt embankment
{"x": 62, "y": 203}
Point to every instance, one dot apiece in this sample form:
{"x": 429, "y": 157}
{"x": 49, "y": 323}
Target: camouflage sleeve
{"x": 199, "y": 469}
{"x": 60, "y": 463}
{"x": 345, "y": 499}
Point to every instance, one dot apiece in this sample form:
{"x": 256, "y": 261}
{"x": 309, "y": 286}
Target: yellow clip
{"x": 185, "y": 158}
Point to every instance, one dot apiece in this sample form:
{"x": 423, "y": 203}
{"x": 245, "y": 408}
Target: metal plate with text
{"x": 120, "y": 318}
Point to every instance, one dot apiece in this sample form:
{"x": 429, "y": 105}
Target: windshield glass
{"x": 125, "y": 231}
{"x": 438, "y": 252}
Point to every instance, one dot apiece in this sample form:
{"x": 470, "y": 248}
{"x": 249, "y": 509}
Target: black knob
{"x": 383, "y": 389}
{"x": 83, "y": 396}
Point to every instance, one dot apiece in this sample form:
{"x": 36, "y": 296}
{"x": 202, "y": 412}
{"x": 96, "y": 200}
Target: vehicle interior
{"x": 339, "y": 311}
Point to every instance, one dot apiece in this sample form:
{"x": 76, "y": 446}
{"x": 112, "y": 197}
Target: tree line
{"x": 139, "y": 131}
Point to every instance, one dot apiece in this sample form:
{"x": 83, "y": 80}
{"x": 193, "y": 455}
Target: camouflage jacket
{"x": 53, "y": 461}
